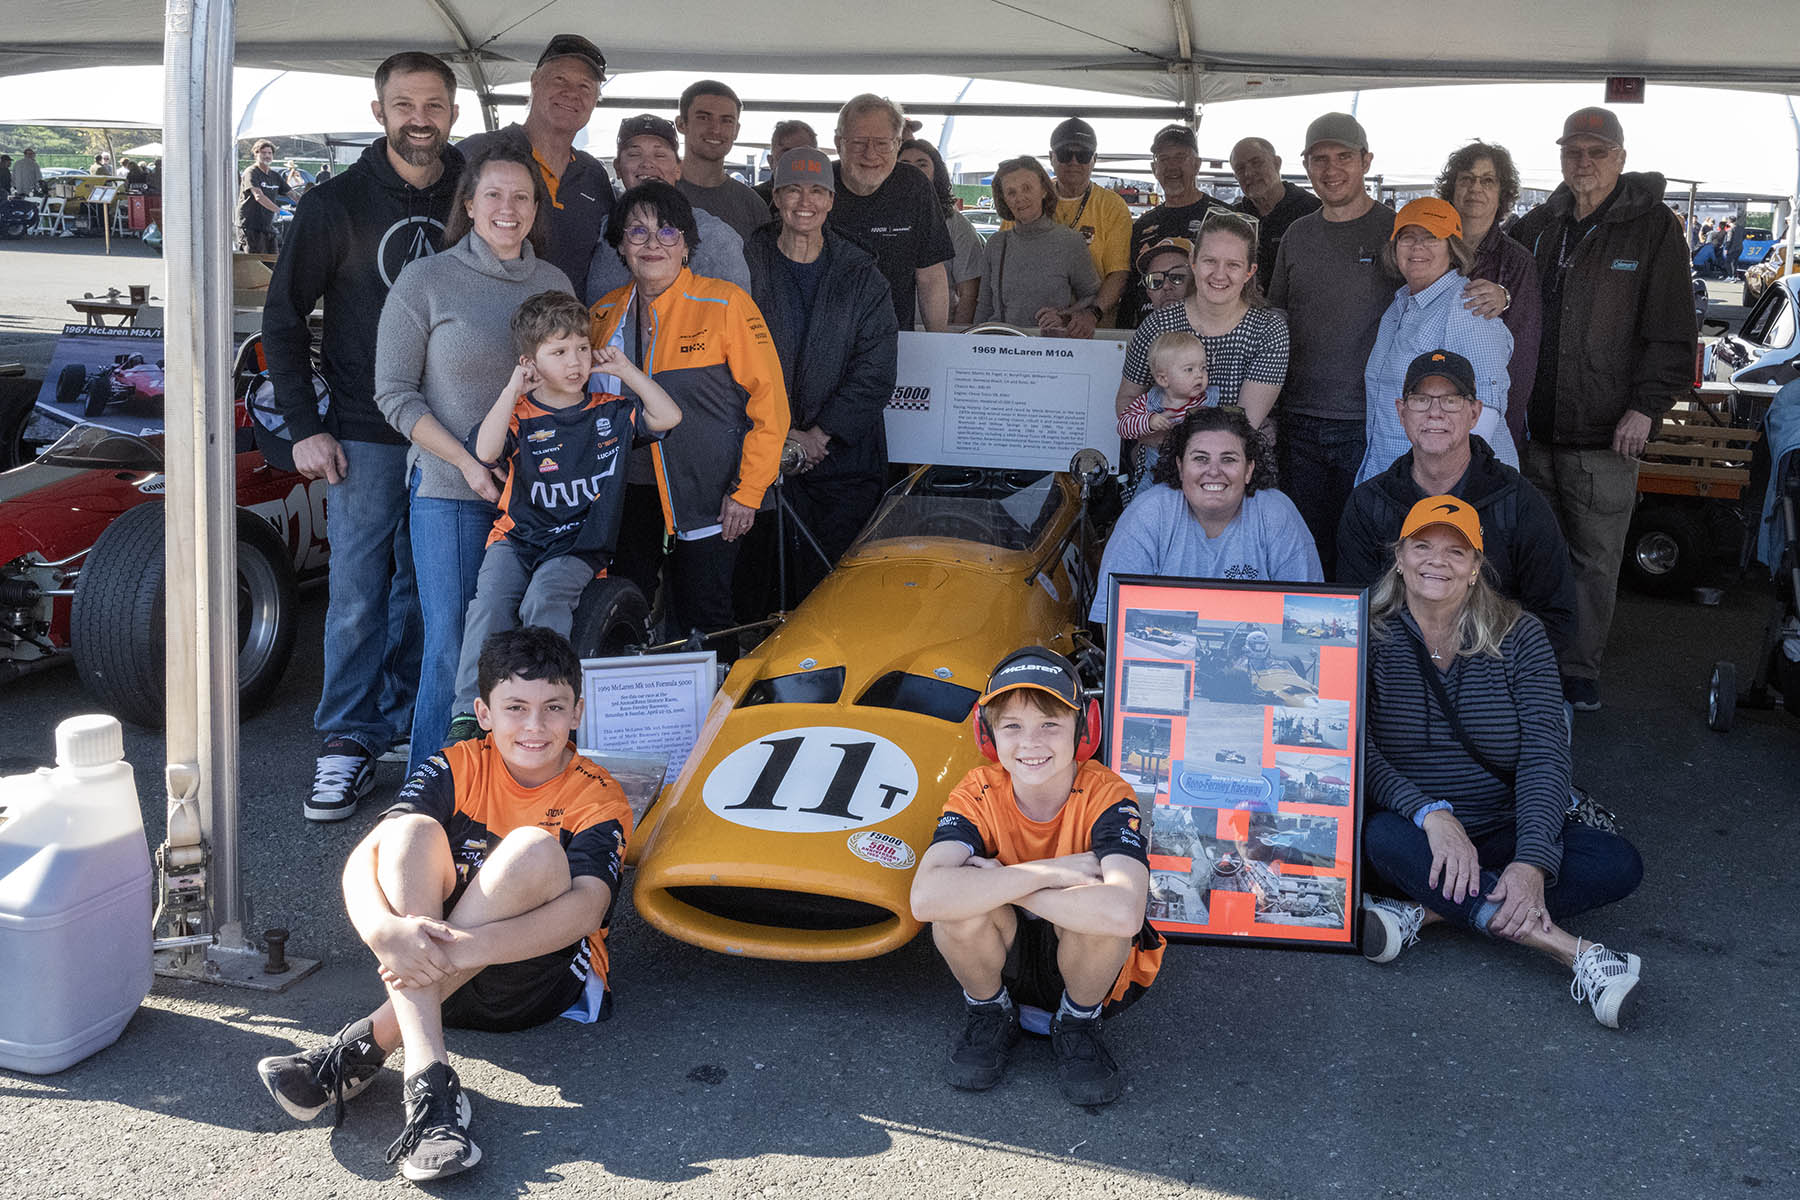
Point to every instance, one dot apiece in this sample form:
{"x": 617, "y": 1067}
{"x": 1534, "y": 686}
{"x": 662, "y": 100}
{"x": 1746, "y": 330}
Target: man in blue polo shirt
{"x": 564, "y": 89}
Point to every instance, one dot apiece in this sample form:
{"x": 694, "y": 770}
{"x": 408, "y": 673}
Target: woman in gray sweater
{"x": 443, "y": 352}
{"x": 1036, "y": 273}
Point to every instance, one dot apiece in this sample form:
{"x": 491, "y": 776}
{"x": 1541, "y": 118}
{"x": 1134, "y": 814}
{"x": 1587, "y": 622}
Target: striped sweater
{"x": 1511, "y": 707}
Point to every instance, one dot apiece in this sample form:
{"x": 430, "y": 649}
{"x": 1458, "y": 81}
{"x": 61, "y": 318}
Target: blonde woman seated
{"x": 1468, "y": 769}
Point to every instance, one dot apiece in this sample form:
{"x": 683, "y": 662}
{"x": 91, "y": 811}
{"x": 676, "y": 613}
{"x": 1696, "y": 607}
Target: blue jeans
{"x": 372, "y": 619}
{"x": 1319, "y": 461}
{"x": 448, "y": 540}
{"x": 1597, "y": 868}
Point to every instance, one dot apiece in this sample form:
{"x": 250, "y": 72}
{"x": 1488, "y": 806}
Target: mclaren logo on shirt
{"x": 406, "y": 241}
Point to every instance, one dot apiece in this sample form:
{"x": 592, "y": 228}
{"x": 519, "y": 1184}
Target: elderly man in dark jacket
{"x": 1617, "y": 349}
{"x": 1522, "y": 547}
{"x": 831, "y": 316}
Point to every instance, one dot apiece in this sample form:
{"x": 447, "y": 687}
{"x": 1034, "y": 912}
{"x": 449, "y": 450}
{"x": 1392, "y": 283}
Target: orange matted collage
{"x": 1236, "y": 715}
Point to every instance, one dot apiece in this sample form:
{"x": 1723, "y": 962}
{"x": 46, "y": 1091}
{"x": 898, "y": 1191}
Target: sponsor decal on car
{"x": 882, "y": 849}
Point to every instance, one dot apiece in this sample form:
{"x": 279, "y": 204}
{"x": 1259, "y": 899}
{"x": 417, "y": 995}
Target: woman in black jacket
{"x": 830, "y": 314}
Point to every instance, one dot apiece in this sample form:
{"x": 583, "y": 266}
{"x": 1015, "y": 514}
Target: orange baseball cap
{"x": 1437, "y": 217}
{"x": 1444, "y": 510}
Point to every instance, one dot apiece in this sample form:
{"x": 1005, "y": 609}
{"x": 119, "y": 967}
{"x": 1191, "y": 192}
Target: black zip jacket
{"x": 839, "y": 366}
{"x": 1626, "y": 321}
{"x": 1521, "y": 541}
{"x": 351, "y": 236}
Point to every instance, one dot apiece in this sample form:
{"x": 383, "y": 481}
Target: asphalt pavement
{"x": 1463, "y": 1069}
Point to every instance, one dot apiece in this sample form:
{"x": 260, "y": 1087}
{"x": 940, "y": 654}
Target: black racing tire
{"x": 16, "y": 407}
{"x": 1721, "y": 697}
{"x": 612, "y": 618}
{"x": 70, "y": 383}
{"x": 100, "y": 393}
{"x": 1664, "y": 550}
{"x": 116, "y": 619}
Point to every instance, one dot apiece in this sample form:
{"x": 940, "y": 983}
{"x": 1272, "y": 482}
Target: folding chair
{"x": 51, "y": 217}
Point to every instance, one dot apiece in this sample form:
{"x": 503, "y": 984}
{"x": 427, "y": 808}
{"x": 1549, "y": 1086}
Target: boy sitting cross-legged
{"x": 563, "y": 450}
{"x": 485, "y": 894}
{"x": 1036, "y": 883}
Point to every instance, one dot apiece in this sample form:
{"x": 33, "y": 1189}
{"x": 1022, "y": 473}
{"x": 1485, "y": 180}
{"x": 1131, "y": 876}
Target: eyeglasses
{"x": 668, "y": 235}
{"x": 865, "y": 144}
{"x": 1480, "y": 181}
{"x": 1420, "y": 402}
{"x": 1590, "y": 153}
{"x": 1156, "y": 279}
{"x": 1415, "y": 237}
{"x": 1072, "y": 154}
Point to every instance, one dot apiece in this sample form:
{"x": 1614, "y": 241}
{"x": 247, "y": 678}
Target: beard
{"x": 415, "y": 153}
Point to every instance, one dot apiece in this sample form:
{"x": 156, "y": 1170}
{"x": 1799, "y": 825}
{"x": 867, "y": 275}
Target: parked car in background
{"x": 1770, "y": 267}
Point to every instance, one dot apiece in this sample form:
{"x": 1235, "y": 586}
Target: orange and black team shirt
{"x": 1101, "y": 816}
{"x": 565, "y": 476}
{"x": 467, "y": 789}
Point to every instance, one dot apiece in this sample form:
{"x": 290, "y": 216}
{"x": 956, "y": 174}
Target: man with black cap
{"x": 1329, "y": 277}
{"x": 648, "y": 150}
{"x": 1272, "y": 200}
{"x": 564, "y": 89}
{"x": 1175, "y": 160}
{"x": 1523, "y": 550}
{"x": 1100, "y": 215}
{"x": 1617, "y": 348}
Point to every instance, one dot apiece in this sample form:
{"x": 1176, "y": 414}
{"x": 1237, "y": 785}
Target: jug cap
{"x": 89, "y": 741}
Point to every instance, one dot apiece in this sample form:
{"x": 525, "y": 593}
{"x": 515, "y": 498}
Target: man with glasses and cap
{"x": 1525, "y": 554}
{"x": 1617, "y": 349}
{"x": 1329, "y": 277}
{"x": 564, "y": 89}
{"x": 1099, "y": 214}
{"x": 1175, "y": 160}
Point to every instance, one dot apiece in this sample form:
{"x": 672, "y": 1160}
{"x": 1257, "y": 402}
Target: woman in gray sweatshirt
{"x": 1037, "y": 273}
{"x": 443, "y": 352}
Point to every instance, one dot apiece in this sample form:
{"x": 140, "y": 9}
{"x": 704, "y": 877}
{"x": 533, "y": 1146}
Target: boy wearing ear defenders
{"x": 1036, "y": 883}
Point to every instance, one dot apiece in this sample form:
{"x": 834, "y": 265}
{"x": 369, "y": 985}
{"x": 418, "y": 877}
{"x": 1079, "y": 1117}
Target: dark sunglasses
{"x": 1156, "y": 279}
{"x": 1071, "y": 153}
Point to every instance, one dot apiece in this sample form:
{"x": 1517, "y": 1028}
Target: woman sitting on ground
{"x": 1467, "y": 769}
{"x": 1215, "y": 515}
{"x": 1037, "y": 273}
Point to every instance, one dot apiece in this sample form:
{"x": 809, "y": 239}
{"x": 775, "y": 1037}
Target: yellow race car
{"x": 822, "y": 767}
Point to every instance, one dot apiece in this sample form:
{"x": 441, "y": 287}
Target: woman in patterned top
{"x": 1246, "y": 341}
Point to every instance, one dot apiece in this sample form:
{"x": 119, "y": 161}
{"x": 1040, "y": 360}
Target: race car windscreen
{"x": 1004, "y": 509}
{"x": 88, "y": 446}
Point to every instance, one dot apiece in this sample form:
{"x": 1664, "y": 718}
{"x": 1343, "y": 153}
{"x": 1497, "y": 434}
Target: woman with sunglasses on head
{"x": 1246, "y": 341}
{"x": 1427, "y": 250}
{"x": 1036, "y": 274}
{"x": 704, "y": 341}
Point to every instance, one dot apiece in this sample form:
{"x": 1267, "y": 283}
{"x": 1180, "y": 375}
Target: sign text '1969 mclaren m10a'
{"x": 794, "y": 829}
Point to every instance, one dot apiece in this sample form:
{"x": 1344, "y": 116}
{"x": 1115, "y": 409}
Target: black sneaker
{"x": 303, "y": 1084}
{"x": 1085, "y": 1069}
{"x": 978, "y": 1060}
{"x": 435, "y": 1142}
{"x": 343, "y": 774}
{"x": 463, "y": 727}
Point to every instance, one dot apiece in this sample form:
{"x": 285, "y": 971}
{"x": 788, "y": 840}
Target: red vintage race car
{"x": 82, "y": 566}
{"x": 128, "y": 380}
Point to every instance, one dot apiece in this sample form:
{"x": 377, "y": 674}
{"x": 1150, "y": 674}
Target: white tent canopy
{"x": 1185, "y": 51}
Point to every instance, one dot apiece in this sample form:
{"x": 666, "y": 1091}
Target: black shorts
{"x": 511, "y": 996}
{"x": 1032, "y": 975}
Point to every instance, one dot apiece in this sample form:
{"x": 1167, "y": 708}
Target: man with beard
{"x": 1175, "y": 160}
{"x": 892, "y": 214}
{"x": 1272, "y": 200}
{"x": 350, "y": 239}
{"x": 564, "y": 90}
{"x": 647, "y": 150}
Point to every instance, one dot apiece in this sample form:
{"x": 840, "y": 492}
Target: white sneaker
{"x": 1606, "y": 980}
{"x": 1388, "y": 927}
{"x": 343, "y": 774}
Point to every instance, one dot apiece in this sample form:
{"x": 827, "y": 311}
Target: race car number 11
{"x": 818, "y": 779}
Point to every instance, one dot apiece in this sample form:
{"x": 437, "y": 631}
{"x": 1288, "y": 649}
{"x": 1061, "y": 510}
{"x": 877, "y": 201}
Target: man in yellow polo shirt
{"x": 1097, "y": 213}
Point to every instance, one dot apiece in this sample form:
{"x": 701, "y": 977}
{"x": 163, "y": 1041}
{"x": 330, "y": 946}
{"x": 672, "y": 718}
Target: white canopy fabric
{"x": 1186, "y": 51}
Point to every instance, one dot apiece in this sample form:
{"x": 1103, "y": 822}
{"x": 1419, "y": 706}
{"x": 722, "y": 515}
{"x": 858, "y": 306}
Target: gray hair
{"x": 866, "y": 103}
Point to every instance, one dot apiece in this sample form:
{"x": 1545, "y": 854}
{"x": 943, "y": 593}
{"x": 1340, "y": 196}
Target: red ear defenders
{"x": 1090, "y": 722}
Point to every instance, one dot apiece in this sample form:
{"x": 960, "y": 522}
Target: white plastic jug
{"x": 75, "y": 901}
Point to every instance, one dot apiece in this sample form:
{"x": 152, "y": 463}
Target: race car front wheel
{"x": 116, "y": 620}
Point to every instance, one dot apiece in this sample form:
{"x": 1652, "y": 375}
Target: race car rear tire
{"x": 1664, "y": 550}
{"x": 611, "y": 619}
{"x": 70, "y": 382}
{"x": 116, "y": 619}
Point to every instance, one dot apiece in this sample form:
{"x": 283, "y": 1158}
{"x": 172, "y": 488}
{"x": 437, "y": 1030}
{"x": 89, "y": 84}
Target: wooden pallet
{"x": 1694, "y": 454}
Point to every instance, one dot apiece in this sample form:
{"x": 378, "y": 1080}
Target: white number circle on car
{"x": 818, "y": 779}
